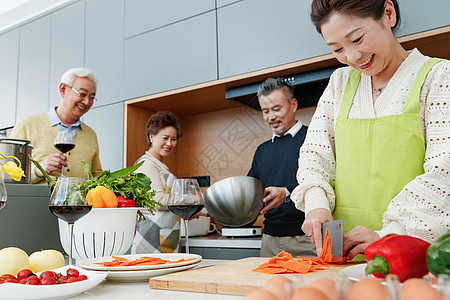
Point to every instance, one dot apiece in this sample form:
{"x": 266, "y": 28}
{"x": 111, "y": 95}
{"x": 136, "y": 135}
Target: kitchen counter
{"x": 112, "y": 291}
{"x": 216, "y": 246}
{"x": 222, "y": 280}
{"x": 141, "y": 290}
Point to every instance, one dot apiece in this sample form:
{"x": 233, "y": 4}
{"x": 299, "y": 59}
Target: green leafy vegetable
{"x": 134, "y": 186}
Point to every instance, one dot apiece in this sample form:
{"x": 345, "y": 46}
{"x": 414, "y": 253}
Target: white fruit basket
{"x": 102, "y": 232}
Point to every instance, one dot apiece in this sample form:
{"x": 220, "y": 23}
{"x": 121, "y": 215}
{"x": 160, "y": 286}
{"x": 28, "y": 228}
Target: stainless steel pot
{"x": 20, "y": 149}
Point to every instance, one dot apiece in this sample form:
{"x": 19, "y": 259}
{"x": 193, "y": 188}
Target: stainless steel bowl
{"x": 235, "y": 201}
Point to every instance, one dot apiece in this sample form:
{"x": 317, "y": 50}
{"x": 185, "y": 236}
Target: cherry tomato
{"x": 24, "y": 273}
{"x": 2, "y": 280}
{"x": 6, "y": 276}
{"x": 12, "y": 280}
{"x": 72, "y": 279}
{"x": 49, "y": 280}
{"x": 82, "y": 277}
{"x": 62, "y": 279}
{"x": 33, "y": 280}
{"x": 73, "y": 272}
{"x": 23, "y": 280}
{"x": 48, "y": 274}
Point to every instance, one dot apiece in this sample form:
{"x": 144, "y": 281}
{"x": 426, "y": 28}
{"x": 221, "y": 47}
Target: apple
{"x": 12, "y": 260}
{"x": 45, "y": 260}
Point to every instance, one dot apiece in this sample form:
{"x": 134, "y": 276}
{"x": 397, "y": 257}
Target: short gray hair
{"x": 69, "y": 76}
{"x": 271, "y": 84}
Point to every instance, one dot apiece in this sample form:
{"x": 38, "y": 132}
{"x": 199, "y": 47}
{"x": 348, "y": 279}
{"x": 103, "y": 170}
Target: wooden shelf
{"x": 210, "y": 96}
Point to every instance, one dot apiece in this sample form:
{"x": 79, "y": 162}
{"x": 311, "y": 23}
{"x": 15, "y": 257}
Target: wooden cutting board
{"x": 231, "y": 278}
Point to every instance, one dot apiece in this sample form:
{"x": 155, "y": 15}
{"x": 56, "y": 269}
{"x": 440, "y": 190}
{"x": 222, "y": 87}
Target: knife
{"x": 335, "y": 232}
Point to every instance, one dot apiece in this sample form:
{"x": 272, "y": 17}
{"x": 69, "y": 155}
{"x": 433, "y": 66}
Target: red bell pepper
{"x": 124, "y": 202}
{"x": 402, "y": 255}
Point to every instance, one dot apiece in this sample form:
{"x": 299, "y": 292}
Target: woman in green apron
{"x": 159, "y": 232}
{"x": 377, "y": 153}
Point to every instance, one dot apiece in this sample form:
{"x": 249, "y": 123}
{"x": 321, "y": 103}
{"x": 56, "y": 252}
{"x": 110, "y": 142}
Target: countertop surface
{"x": 141, "y": 290}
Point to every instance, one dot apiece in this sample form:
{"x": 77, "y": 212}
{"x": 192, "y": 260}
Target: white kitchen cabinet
{"x": 104, "y": 48}
{"x": 254, "y": 35}
{"x": 174, "y": 56}
{"x": 221, "y": 3}
{"x": 34, "y": 68}
{"x": 418, "y": 15}
{"x": 107, "y": 122}
{"x": 67, "y": 45}
{"x": 9, "y": 55}
{"x": 146, "y": 15}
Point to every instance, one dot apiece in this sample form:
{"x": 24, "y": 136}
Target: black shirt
{"x": 276, "y": 164}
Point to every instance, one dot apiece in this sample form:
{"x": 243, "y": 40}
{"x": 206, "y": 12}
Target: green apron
{"x": 376, "y": 158}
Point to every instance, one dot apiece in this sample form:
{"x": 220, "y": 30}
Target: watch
{"x": 287, "y": 198}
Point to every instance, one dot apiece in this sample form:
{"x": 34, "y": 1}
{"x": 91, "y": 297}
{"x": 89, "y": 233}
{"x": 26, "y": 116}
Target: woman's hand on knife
{"x": 312, "y": 226}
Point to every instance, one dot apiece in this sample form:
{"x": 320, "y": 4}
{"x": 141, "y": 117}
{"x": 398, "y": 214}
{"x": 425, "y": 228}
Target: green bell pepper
{"x": 438, "y": 255}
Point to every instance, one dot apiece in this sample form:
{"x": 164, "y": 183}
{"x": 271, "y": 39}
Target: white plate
{"x": 144, "y": 275}
{"x": 90, "y": 263}
{"x": 56, "y": 291}
{"x": 354, "y": 273}
{"x": 357, "y": 272}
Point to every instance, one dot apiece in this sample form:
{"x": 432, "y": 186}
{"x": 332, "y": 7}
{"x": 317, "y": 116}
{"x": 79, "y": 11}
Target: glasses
{"x": 82, "y": 95}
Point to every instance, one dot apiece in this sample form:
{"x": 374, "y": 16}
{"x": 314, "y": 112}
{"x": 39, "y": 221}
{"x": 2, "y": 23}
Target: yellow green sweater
{"x": 37, "y": 129}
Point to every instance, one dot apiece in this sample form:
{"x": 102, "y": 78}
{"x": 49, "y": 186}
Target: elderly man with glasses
{"x": 77, "y": 90}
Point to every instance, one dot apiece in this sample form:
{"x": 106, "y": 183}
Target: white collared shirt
{"x": 292, "y": 131}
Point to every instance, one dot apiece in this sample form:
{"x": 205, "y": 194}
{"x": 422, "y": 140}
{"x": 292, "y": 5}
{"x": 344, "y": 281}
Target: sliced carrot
{"x": 181, "y": 260}
{"x": 296, "y": 266}
{"x": 283, "y": 262}
{"x": 142, "y": 261}
{"x": 118, "y": 258}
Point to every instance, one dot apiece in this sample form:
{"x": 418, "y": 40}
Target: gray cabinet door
{"x": 104, "y": 48}
{"x": 171, "y": 57}
{"x": 221, "y": 3}
{"x": 145, "y": 15}
{"x": 34, "y": 68}
{"x": 419, "y": 15}
{"x": 9, "y": 55}
{"x": 107, "y": 122}
{"x": 67, "y": 48}
{"x": 255, "y": 34}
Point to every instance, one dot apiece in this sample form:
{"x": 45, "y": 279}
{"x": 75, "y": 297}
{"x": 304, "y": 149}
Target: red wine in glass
{"x": 68, "y": 202}
{"x": 70, "y": 213}
{"x": 185, "y": 211}
{"x": 64, "y": 142}
{"x": 64, "y": 147}
{"x": 185, "y": 201}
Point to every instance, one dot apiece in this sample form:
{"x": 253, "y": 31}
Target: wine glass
{"x": 2, "y": 193}
{"x": 68, "y": 202}
{"x": 64, "y": 142}
{"x": 185, "y": 201}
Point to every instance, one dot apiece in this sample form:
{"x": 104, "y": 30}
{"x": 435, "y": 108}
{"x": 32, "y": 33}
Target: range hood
{"x": 309, "y": 87}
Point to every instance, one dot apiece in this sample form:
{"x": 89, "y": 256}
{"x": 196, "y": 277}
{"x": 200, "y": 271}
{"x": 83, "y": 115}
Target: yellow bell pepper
{"x": 101, "y": 197}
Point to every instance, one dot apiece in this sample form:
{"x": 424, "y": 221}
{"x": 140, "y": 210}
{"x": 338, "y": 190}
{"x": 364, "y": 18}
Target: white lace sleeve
{"x": 317, "y": 155}
{"x": 422, "y": 208}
